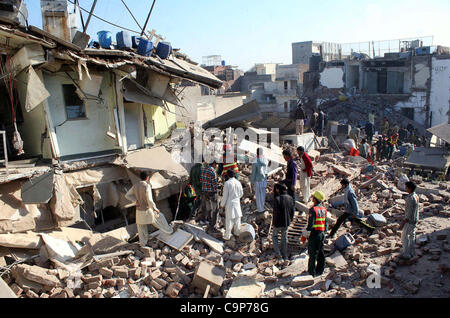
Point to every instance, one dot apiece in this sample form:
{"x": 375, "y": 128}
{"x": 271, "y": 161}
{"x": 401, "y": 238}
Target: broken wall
{"x": 440, "y": 90}
{"x": 417, "y": 101}
{"x": 82, "y": 136}
{"x": 160, "y": 122}
{"x": 332, "y": 77}
{"x": 16, "y": 217}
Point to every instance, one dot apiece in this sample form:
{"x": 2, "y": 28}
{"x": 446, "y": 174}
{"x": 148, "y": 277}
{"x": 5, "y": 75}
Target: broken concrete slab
{"x": 177, "y": 240}
{"x": 302, "y": 281}
{"x": 28, "y": 240}
{"x": 337, "y": 261}
{"x": 40, "y": 275}
{"x": 209, "y": 274}
{"x": 213, "y": 243}
{"x": 246, "y": 287}
{"x": 299, "y": 266}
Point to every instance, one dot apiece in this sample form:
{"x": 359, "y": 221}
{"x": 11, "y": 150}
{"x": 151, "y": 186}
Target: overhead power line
{"x": 106, "y": 21}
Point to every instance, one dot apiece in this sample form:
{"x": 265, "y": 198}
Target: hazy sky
{"x": 246, "y": 32}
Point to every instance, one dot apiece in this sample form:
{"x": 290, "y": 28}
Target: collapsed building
{"x": 87, "y": 120}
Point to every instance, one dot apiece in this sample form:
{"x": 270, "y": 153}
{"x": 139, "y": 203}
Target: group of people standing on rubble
{"x": 384, "y": 146}
{"x": 202, "y": 195}
{"x": 317, "y": 122}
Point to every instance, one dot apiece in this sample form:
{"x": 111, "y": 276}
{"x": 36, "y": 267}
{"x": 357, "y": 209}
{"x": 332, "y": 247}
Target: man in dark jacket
{"x": 291, "y": 174}
{"x": 317, "y": 225}
{"x": 283, "y": 214}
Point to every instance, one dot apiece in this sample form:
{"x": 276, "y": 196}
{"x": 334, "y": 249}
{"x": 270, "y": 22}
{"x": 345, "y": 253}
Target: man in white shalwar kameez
{"x": 231, "y": 201}
{"x": 146, "y": 210}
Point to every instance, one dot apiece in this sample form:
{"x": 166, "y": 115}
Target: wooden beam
{"x": 54, "y": 38}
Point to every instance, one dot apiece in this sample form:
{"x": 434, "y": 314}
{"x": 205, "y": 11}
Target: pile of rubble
{"x": 113, "y": 265}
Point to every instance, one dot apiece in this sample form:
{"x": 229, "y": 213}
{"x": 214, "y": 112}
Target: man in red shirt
{"x": 305, "y": 172}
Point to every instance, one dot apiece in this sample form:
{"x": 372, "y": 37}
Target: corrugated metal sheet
{"x": 442, "y": 132}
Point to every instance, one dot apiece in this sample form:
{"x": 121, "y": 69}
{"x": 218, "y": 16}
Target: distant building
{"x": 415, "y": 79}
{"x": 303, "y": 51}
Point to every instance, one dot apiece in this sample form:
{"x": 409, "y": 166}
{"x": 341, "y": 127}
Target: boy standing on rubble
{"x": 409, "y": 224}
{"x": 231, "y": 201}
{"x": 146, "y": 210}
{"x": 317, "y": 226}
{"x": 283, "y": 215}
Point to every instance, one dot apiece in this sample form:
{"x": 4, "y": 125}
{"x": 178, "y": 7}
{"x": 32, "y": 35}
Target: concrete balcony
{"x": 285, "y": 92}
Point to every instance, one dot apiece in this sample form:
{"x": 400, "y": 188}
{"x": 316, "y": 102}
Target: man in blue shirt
{"x": 352, "y": 211}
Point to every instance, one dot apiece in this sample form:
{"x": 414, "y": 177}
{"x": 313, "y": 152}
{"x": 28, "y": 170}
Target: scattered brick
{"x": 106, "y": 272}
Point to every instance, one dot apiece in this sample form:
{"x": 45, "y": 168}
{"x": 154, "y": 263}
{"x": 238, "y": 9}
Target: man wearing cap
{"x": 317, "y": 226}
{"x": 229, "y": 162}
{"x": 306, "y": 172}
{"x": 352, "y": 210}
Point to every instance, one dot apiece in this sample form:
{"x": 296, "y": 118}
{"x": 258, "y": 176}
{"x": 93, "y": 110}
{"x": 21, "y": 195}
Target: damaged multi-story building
{"x": 414, "y": 78}
{"x": 79, "y": 123}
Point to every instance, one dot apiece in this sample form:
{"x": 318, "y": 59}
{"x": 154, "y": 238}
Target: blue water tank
{"x": 425, "y": 50}
{"x": 145, "y": 47}
{"x": 124, "y": 40}
{"x": 163, "y": 50}
{"x": 224, "y": 63}
{"x": 344, "y": 241}
{"x": 135, "y": 41}
{"x": 105, "y": 39}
